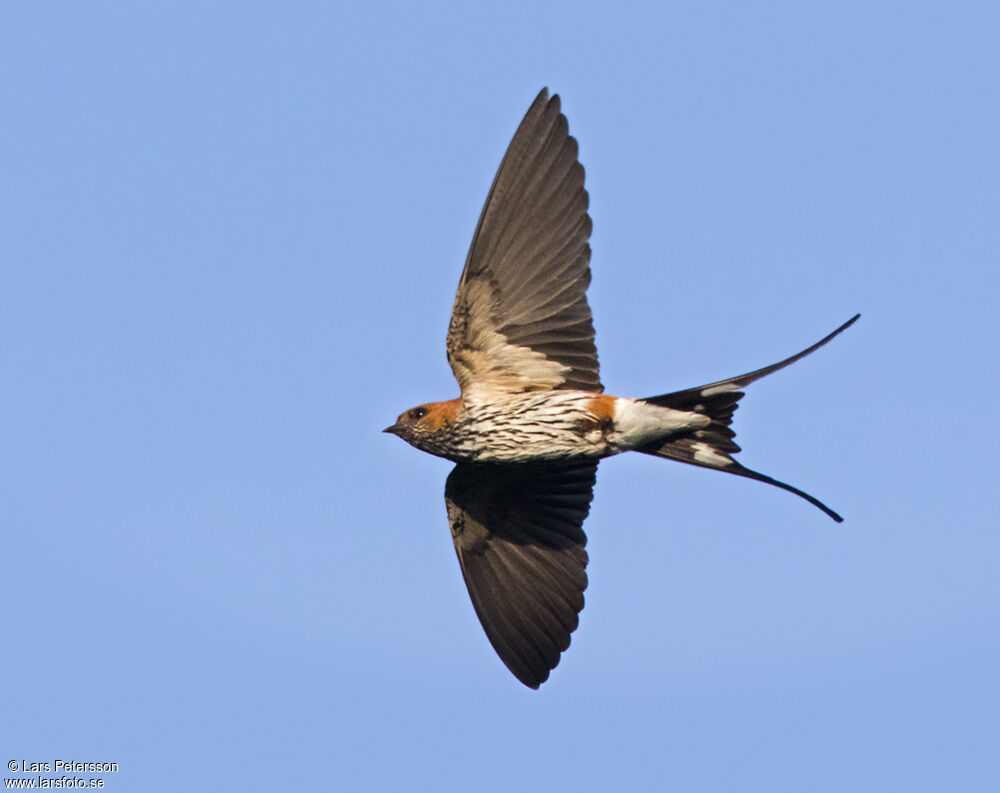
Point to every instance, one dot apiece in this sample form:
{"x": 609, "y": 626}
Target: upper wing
{"x": 521, "y": 320}
{"x": 518, "y": 536}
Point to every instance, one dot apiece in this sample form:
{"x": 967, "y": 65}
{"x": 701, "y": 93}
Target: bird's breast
{"x": 549, "y": 425}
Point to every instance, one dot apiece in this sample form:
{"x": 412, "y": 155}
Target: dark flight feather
{"x": 518, "y": 536}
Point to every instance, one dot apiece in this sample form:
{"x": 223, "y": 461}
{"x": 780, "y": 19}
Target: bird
{"x": 532, "y": 420}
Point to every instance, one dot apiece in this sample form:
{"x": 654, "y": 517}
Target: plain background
{"x": 230, "y": 235}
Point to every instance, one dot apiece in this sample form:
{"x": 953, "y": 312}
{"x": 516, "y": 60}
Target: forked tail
{"x": 713, "y": 446}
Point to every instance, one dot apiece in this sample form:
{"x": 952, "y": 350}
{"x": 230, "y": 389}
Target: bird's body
{"x": 533, "y": 420}
{"x": 546, "y": 426}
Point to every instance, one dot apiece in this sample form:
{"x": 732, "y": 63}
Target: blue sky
{"x": 230, "y": 236}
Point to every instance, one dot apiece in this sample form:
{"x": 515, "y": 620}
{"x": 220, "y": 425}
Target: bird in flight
{"x": 533, "y": 420}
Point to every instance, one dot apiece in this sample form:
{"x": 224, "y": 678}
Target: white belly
{"x": 637, "y": 423}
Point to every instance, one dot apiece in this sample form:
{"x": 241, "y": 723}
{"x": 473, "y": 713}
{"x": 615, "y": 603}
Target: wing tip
{"x": 542, "y": 98}
{"x": 544, "y": 101}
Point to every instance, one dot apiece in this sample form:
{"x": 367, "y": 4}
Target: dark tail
{"x": 713, "y": 446}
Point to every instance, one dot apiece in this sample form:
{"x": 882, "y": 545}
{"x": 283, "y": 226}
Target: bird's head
{"x": 411, "y": 424}
{"x": 422, "y": 426}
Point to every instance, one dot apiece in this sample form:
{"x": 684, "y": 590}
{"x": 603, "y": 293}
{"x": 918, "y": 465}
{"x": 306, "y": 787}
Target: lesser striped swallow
{"x": 533, "y": 420}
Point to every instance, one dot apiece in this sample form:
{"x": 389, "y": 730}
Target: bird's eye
{"x": 418, "y": 413}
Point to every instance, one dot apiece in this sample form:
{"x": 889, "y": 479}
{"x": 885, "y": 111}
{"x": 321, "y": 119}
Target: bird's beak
{"x": 394, "y": 429}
